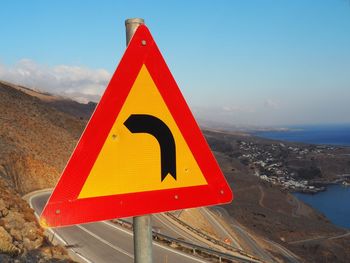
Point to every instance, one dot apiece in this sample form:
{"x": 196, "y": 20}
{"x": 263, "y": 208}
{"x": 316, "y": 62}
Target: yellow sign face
{"x": 131, "y": 162}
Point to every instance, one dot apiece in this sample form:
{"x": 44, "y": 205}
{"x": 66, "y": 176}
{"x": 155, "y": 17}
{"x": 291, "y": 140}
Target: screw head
{"x": 114, "y": 136}
{"x": 176, "y": 197}
{"x": 143, "y": 42}
{"x": 222, "y": 192}
{"x": 58, "y": 212}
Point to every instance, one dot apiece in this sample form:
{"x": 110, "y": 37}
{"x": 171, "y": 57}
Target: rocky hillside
{"x": 36, "y": 139}
{"x": 21, "y": 238}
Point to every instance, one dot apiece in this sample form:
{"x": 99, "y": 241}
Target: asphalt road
{"x": 244, "y": 235}
{"x": 104, "y": 242}
{"x": 289, "y": 256}
{"x": 219, "y": 228}
{"x": 162, "y": 225}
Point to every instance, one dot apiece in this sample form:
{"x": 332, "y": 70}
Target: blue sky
{"x": 240, "y": 62}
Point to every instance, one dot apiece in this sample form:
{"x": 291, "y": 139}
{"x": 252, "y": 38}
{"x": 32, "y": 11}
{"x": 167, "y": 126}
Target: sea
{"x": 316, "y": 134}
{"x": 334, "y": 202}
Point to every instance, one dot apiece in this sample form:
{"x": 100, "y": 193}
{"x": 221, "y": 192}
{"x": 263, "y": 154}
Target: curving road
{"x": 220, "y": 229}
{"x": 289, "y": 256}
{"x": 105, "y": 242}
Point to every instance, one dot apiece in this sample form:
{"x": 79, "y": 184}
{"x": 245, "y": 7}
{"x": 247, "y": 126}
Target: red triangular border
{"x": 63, "y": 207}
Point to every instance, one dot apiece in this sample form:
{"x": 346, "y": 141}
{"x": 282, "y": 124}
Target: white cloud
{"x": 233, "y": 109}
{"x": 79, "y": 83}
{"x": 270, "y": 104}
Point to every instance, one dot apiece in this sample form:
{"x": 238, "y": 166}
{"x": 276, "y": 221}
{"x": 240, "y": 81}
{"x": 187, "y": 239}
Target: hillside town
{"x": 276, "y": 164}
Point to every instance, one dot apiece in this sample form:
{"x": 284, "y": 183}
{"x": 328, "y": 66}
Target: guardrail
{"x": 211, "y": 239}
{"x": 206, "y": 253}
{"x": 193, "y": 249}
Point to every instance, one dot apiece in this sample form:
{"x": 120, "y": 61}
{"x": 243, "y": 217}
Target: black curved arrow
{"x": 142, "y": 123}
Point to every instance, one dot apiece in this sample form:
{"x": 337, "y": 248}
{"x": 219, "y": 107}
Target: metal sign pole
{"x": 142, "y": 239}
{"x": 131, "y": 25}
{"x": 141, "y": 224}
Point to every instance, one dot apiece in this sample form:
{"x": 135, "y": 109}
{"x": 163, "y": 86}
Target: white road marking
{"x": 116, "y": 227}
{"x": 162, "y": 220}
{"x": 82, "y": 257}
{"x": 106, "y": 242}
{"x": 56, "y": 235}
{"x": 156, "y": 244}
{"x": 111, "y": 245}
{"x": 224, "y": 230}
{"x": 30, "y": 202}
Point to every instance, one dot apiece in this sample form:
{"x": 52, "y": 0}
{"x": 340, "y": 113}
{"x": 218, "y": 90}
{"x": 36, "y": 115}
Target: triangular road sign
{"x": 142, "y": 151}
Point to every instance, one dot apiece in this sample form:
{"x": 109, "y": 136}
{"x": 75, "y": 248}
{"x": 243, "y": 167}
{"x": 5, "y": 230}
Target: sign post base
{"x": 142, "y": 239}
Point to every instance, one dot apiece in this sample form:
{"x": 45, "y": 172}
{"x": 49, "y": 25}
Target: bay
{"x": 333, "y": 203}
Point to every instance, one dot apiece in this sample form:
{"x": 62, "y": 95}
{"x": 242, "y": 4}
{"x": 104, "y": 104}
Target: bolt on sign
{"x": 142, "y": 151}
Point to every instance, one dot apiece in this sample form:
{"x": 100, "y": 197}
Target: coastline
{"x": 321, "y": 136}
{"x": 268, "y": 207}
{"x": 331, "y": 203}
{"x": 317, "y": 192}
{"x": 321, "y": 186}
